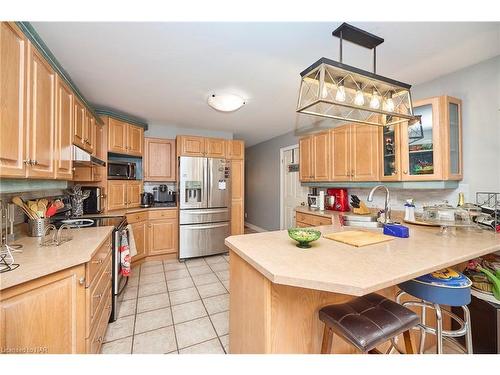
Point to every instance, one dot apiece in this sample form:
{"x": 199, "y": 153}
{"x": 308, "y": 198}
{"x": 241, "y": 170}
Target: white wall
{"x": 171, "y": 131}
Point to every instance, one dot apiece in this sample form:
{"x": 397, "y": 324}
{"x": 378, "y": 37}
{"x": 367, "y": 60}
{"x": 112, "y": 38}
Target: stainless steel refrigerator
{"x": 204, "y": 204}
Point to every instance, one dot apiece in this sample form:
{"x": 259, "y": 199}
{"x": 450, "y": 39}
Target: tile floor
{"x": 173, "y": 307}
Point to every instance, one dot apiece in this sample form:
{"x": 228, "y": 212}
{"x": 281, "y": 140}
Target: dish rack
{"x": 490, "y": 200}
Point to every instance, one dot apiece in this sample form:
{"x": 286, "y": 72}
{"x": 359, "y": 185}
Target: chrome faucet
{"x": 387, "y": 210}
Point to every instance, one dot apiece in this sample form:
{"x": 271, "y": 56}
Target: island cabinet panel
{"x": 13, "y": 65}
{"x": 188, "y": 145}
{"x": 117, "y": 136}
{"x": 341, "y": 155}
{"x": 41, "y": 124}
{"x": 364, "y": 153}
{"x": 64, "y": 131}
{"x": 57, "y": 327}
{"x": 215, "y": 148}
{"x": 159, "y": 160}
{"x": 306, "y": 168}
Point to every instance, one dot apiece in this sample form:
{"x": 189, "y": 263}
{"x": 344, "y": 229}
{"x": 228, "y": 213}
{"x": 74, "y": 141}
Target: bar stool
{"x": 444, "y": 287}
{"x": 367, "y": 322}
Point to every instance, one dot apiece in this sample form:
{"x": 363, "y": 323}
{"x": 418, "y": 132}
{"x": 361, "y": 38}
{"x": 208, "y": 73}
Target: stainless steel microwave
{"x": 119, "y": 170}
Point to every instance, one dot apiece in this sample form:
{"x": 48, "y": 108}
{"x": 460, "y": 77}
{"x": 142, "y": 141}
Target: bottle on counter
{"x": 321, "y": 200}
{"x": 461, "y": 200}
{"x": 409, "y": 210}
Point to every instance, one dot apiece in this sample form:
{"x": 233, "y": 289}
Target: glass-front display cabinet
{"x": 428, "y": 151}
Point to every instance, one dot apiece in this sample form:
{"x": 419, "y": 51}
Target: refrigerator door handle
{"x": 208, "y": 183}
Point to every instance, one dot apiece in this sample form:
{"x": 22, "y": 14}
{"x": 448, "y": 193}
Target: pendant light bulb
{"x": 359, "y": 98}
{"x": 375, "y": 101}
{"x": 340, "y": 95}
{"x": 389, "y": 103}
{"x": 324, "y": 92}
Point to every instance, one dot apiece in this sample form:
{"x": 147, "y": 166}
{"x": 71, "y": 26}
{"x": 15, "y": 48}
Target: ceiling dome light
{"x": 225, "y": 102}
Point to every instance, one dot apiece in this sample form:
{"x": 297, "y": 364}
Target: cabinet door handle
{"x": 97, "y": 261}
{"x": 81, "y": 281}
{"x": 405, "y": 172}
{"x": 97, "y": 295}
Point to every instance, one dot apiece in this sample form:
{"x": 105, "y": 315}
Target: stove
{"x": 120, "y": 230}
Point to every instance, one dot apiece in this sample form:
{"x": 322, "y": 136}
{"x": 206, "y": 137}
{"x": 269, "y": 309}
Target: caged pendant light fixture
{"x": 343, "y": 93}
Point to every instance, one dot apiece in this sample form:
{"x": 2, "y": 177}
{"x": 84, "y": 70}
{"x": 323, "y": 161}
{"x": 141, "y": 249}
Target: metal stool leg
{"x": 468, "y": 330}
{"x": 439, "y": 329}
{"x": 421, "y": 346}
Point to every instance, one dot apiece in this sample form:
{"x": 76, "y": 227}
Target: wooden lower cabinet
{"x": 156, "y": 232}
{"x": 140, "y": 232}
{"x": 162, "y": 236}
{"x": 46, "y": 315}
{"x": 310, "y": 220}
{"x": 64, "y": 312}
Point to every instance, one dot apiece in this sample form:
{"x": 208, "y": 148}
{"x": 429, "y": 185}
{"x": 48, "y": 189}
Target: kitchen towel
{"x": 131, "y": 241}
{"x": 124, "y": 254}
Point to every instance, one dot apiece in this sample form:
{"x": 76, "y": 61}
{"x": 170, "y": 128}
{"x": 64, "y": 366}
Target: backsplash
{"x": 148, "y": 186}
{"x": 421, "y": 197}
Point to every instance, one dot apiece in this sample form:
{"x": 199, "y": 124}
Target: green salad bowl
{"x": 304, "y": 236}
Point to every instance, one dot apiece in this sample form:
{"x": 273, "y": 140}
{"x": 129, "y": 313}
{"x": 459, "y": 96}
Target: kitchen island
{"x": 277, "y": 288}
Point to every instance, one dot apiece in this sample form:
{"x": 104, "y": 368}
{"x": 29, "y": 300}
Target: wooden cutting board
{"x": 358, "y": 238}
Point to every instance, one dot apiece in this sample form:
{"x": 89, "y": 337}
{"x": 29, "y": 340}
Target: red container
{"x": 341, "y": 199}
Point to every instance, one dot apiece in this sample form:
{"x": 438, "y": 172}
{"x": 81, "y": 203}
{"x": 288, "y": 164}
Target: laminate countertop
{"x": 340, "y": 268}
{"x": 36, "y": 261}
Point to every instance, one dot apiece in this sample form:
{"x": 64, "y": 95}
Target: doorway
{"x": 292, "y": 193}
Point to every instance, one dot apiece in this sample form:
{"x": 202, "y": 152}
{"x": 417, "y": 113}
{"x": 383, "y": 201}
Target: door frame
{"x": 282, "y": 152}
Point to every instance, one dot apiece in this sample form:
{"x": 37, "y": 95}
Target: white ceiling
{"x": 163, "y": 72}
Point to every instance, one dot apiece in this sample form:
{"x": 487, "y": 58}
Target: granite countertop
{"x": 340, "y": 268}
{"x": 326, "y": 213}
{"x": 36, "y": 261}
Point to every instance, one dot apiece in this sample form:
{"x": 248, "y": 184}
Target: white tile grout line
{"x": 171, "y": 312}
{"x": 210, "y": 319}
{"x": 170, "y": 307}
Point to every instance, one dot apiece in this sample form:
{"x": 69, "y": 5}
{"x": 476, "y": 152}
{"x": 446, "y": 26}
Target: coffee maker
{"x": 337, "y": 200}
{"x": 163, "y": 196}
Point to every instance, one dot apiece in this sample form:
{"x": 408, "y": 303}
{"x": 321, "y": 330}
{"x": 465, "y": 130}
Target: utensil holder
{"x": 36, "y": 228}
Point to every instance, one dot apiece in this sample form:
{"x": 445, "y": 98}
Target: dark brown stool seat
{"x": 367, "y": 322}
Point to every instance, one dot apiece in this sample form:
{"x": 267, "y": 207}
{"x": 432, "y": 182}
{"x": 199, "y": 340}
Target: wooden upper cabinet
{"x": 45, "y": 313}
{"x": 235, "y": 149}
{"x": 13, "y": 77}
{"x": 364, "y": 153}
{"x": 125, "y": 138}
{"x": 135, "y": 140}
{"x": 117, "y": 136}
{"x": 159, "y": 159}
{"x": 188, "y": 145}
{"x": 341, "y": 156}
{"x": 64, "y": 131}
{"x": 322, "y": 156}
{"x": 306, "y": 171}
{"x": 79, "y": 124}
{"x": 101, "y": 145}
{"x": 41, "y": 124}
{"x": 134, "y": 190}
{"x": 215, "y": 148}
{"x": 117, "y": 194}
{"x": 91, "y": 131}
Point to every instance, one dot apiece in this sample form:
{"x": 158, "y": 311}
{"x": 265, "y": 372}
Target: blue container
{"x": 396, "y": 230}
